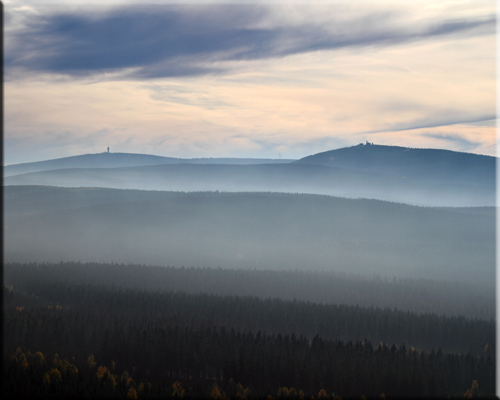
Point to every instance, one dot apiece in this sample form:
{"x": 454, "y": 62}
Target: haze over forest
{"x": 267, "y": 216}
{"x": 264, "y": 214}
{"x": 413, "y": 176}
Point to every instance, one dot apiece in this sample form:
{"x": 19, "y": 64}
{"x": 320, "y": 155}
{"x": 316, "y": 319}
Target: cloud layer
{"x": 168, "y": 41}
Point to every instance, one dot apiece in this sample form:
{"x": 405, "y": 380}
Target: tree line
{"x": 416, "y": 295}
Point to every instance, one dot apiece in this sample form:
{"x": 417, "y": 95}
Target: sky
{"x": 259, "y": 80}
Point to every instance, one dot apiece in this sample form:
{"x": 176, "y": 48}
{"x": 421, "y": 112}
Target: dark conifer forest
{"x": 91, "y": 318}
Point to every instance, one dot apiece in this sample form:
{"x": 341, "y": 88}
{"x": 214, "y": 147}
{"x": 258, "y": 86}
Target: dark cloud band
{"x": 457, "y": 139}
{"x": 182, "y": 41}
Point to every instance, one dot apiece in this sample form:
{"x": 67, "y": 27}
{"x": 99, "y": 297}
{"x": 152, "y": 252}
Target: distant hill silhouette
{"x": 427, "y": 177}
{"x": 434, "y": 165}
{"x": 285, "y": 178}
{"x": 117, "y": 160}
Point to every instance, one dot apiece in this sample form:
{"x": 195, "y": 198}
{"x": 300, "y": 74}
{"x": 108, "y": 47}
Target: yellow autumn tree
{"x": 178, "y": 391}
{"x": 39, "y": 358}
{"x": 475, "y": 388}
{"x": 46, "y": 379}
{"x": 291, "y": 393}
{"x": 144, "y": 389}
{"x": 55, "y": 375}
{"x": 23, "y": 362}
{"x": 215, "y": 392}
{"x": 126, "y": 380}
{"x": 102, "y": 371}
{"x": 241, "y": 392}
{"x": 91, "y": 361}
{"x": 132, "y": 393}
{"x": 68, "y": 368}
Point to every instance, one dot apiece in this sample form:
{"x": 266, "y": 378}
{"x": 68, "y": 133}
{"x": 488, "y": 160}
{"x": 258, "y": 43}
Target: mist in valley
{"x": 424, "y": 177}
{"x": 249, "y": 231}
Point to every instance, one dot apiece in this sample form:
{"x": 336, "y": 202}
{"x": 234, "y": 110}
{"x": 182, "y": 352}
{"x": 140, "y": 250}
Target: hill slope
{"x": 248, "y": 230}
{"x": 117, "y": 160}
{"x": 426, "y": 177}
{"x": 288, "y": 178}
{"x": 430, "y": 164}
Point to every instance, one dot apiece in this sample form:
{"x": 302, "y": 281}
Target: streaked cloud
{"x": 167, "y": 41}
{"x": 463, "y": 142}
{"x": 181, "y": 95}
{"x": 444, "y": 119}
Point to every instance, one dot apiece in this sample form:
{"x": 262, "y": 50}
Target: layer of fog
{"x": 286, "y": 178}
{"x": 249, "y": 230}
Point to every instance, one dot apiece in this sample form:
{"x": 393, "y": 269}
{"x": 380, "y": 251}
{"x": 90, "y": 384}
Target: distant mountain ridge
{"x": 119, "y": 160}
{"x": 283, "y": 178}
{"x": 426, "y": 177}
{"x": 430, "y": 164}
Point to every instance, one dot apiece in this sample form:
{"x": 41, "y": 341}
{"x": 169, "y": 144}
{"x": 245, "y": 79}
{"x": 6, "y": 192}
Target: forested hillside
{"x": 452, "y": 298}
{"x": 283, "y": 178}
{"x": 438, "y": 165}
{"x": 165, "y": 340}
{"x": 249, "y": 230}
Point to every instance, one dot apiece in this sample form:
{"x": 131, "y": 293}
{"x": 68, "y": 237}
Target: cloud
{"x": 433, "y": 122}
{"x": 464, "y": 143}
{"x": 181, "y": 95}
{"x": 295, "y": 147}
{"x": 169, "y": 41}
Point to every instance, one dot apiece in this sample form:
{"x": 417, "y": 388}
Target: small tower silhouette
{"x": 108, "y": 149}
